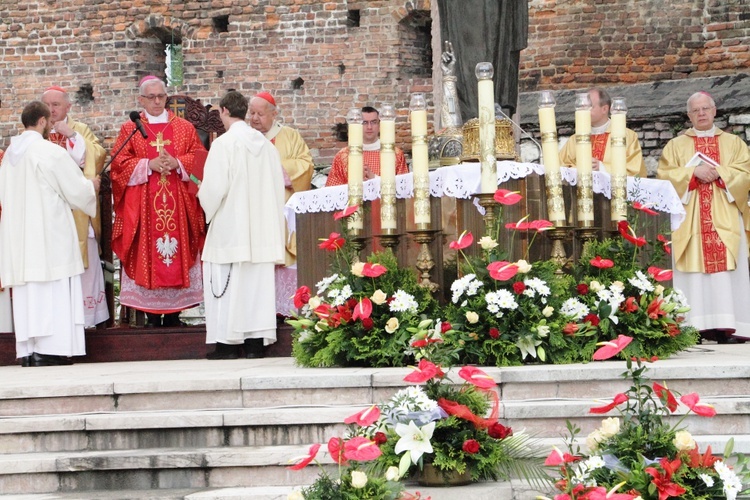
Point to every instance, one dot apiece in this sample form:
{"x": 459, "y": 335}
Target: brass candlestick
{"x": 558, "y": 236}
{"x": 487, "y": 200}
{"x": 425, "y": 262}
{"x": 586, "y": 235}
{"x": 359, "y": 242}
{"x": 389, "y": 239}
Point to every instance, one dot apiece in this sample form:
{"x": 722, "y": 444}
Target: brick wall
{"x": 106, "y": 47}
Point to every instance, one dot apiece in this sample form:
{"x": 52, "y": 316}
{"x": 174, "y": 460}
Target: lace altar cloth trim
{"x": 463, "y": 181}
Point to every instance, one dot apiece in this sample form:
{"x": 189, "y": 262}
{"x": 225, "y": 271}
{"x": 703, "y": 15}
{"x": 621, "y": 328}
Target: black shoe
{"x": 37, "y": 359}
{"x": 173, "y": 321}
{"x": 224, "y": 351}
{"x": 25, "y": 361}
{"x": 253, "y": 348}
{"x": 153, "y": 320}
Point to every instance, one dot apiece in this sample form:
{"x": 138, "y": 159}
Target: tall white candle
{"x": 420, "y": 159}
{"x": 584, "y": 159}
{"x": 355, "y": 171}
{"x": 550, "y": 158}
{"x": 486, "y": 111}
{"x": 387, "y": 168}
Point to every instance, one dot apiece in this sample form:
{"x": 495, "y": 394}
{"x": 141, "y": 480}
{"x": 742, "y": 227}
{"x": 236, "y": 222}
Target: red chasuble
{"x": 599, "y": 145}
{"x": 159, "y": 227}
{"x": 714, "y": 250}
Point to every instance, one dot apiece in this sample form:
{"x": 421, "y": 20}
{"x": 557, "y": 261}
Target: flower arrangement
{"x": 508, "y": 312}
{"x": 639, "y": 456}
{"x": 361, "y": 313}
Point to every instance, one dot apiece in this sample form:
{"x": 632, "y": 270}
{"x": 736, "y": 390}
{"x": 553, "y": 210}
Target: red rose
{"x": 519, "y": 287}
{"x": 445, "y": 326}
{"x": 570, "y": 329}
{"x": 351, "y": 303}
{"x": 301, "y": 296}
{"x": 379, "y": 438}
{"x": 499, "y": 431}
{"x": 582, "y": 288}
{"x": 471, "y": 446}
{"x": 367, "y": 324}
{"x": 592, "y": 318}
{"x": 494, "y": 332}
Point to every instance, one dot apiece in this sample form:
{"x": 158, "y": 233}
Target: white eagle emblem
{"x": 166, "y": 247}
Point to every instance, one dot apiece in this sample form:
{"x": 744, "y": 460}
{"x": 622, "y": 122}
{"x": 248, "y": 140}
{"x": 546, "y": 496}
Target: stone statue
{"x": 450, "y": 114}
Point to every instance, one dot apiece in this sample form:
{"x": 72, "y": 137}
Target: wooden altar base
{"x": 147, "y": 344}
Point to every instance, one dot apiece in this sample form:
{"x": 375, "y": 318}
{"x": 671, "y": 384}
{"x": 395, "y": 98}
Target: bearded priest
{"x": 159, "y": 227}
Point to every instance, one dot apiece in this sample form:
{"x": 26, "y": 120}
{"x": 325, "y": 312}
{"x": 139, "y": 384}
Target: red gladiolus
{"x": 666, "y": 397}
{"x": 361, "y": 449}
{"x": 333, "y": 243}
{"x": 627, "y": 232}
{"x": 630, "y": 305}
{"x": 692, "y": 401}
{"x": 373, "y": 270}
{"x": 365, "y": 417}
{"x": 471, "y": 446}
{"x": 705, "y": 461}
{"x": 301, "y": 296}
{"x": 494, "y": 332}
{"x": 654, "y": 309}
{"x": 499, "y": 431}
{"x": 502, "y": 270}
{"x": 663, "y": 482}
{"x": 556, "y": 458}
{"x": 476, "y": 377}
{"x": 345, "y": 212}
{"x": 424, "y": 372}
{"x": 591, "y": 318}
{"x": 570, "y": 329}
{"x": 463, "y": 241}
{"x": 519, "y": 287}
{"x": 505, "y": 197}
{"x": 619, "y": 399}
{"x": 582, "y": 288}
{"x": 302, "y": 462}
{"x": 445, "y": 327}
{"x": 666, "y": 243}
{"x": 541, "y": 225}
{"x": 336, "y": 450}
{"x": 643, "y": 208}
{"x": 672, "y": 329}
{"x": 601, "y": 263}
{"x": 363, "y": 309}
{"x": 660, "y": 274}
{"x": 380, "y": 438}
{"x": 612, "y": 348}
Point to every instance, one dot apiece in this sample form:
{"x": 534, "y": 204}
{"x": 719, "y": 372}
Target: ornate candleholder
{"x": 359, "y": 242}
{"x": 487, "y": 200}
{"x": 587, "y": 234}
{"x": 425, "y": 261}
{"x": 389, "y": 239}
{"x": 558, "y": 236}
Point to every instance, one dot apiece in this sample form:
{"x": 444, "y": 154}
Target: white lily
{"x": 414, "y": 439}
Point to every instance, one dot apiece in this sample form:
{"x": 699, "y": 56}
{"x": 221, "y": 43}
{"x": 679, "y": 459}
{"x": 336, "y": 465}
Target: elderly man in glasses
{"x": 370, "y": 152}
{"x": 710, "y": 169}
{"x": 159, "y": 226}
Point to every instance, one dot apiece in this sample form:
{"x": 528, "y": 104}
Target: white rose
{"x": 595, "y": 286}
{"x": 523, "y": 266}
{"x": 659, "y": 290}
{"x": 392, "y": 473}
{"x": 391, "y": 325}
{"x": 542, "y": 330}
{"x": 359, "y": 479}
{"x": 683, "y": 441}
{"x": 547, "y": 311}
{"x": 295, "y": 495}
{"x": 593, "y": 440}
{"x": 617, "y": 285}
{"x": 610, "y": 427}
{"x": 472, "y": 317}
{"x": 357, "y": 269}
{"x": 314, "y": 302}
{"x": 378, "y": 297}
{"x": 487, "y": 243}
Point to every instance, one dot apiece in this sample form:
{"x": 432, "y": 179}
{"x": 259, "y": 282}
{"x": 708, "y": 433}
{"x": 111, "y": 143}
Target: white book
{"x": 698, "y": 159}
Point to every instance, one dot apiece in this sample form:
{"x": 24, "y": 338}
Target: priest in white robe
{"x": 242, "y": 195}
{"x": 40, "y": 258}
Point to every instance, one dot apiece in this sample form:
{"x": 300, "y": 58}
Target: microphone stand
{"x": 112, "y": 158}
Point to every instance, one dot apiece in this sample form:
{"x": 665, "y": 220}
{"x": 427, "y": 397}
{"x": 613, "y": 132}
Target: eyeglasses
{"x": 155, "y": 97}
{"x": 704, "y": 109}
{"x": 371, "y": 122}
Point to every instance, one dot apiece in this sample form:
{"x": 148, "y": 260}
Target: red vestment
{"x": 714, "y": 250}
{"x": 159, "y": 227}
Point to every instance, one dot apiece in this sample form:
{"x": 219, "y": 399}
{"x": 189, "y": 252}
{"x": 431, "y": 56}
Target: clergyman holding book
{"x": 710, "y": 170}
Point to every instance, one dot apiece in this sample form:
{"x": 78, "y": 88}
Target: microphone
{"x": 135, "y": 117}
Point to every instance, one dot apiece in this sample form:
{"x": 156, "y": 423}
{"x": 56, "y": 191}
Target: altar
{"x": 455, "y": 208}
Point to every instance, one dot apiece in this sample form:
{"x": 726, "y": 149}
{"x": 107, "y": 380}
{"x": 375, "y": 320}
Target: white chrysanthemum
{"x": 612, "y": 297}
{"x": 339, "y": 297}
{"x": 403, "y": 302}
{"x": 678, "y": 298}
{"x": 538, "y": 285}
{"x": 574, "y": 309}
{"x": 583, "y": 470}
{"x": 501, "y": 299}
{"x": 732, "y": 484}
{"x": 641, "y": 282}
{"x": 459, "y": 286}
{"x": 708, "y": 480}
{"x": 323, "y": 284}
{"x": 473, "y": 287}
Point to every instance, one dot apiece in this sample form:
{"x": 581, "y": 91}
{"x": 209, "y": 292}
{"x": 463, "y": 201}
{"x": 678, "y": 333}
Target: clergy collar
{"x": 600, "y": 129}
{"x": 705, "y": 133}
{"x": 273, "y": 131}
{"x": 162, "y": 118}
{"x": 374, "y": 146}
